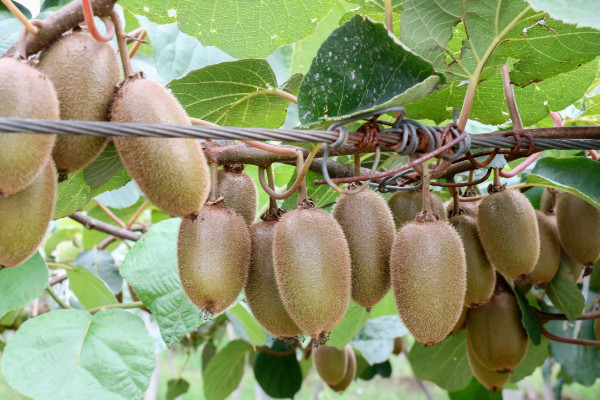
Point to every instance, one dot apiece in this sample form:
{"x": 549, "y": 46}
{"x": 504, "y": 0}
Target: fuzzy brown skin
{"x": 481, "y": 276}
{"x": 25, "y": 217}
{"x": 597, "y": 329}
{"x": 496, "y": 334}
{"x": 547, "y": 202}
{"x": 405, "y": 205}
{"x": 509, "y": 233}
{"x": 331, "y": 364}
{"x": 549, "y": 259}
{"x": 461, "y": 324}
{"x": 490, "y": 379}
{"x": 213, "y": 256}
{"x": 84, "y": 73}
{"x": 172, "y": 173}
{"x": 429, "y": 276}
{"x": 24, "y": 93}
{"x": 312, "y": 268}
{"x": 398, "y": 345}
{"x": 369, "y": 228}
{"x": 261, "y": 289}
{"x": 350, "y": 371}
{"x": 468, "y": 208}
{"x": 239, "y": 193}
{"x": 578, "y": 225}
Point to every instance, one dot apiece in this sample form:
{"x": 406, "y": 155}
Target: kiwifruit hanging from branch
{"x": 24, "y": 93}
{"x": 331, "y": 364}
{"x": 369, "y": 228}
{"x": 25, "y": 217}
{"x": 461, "y": 324}
{"x": 406, "y": 204}
{"x": 490, "y": 379}
{"x": 549, "y": 260}
{"x": 172, "y": 173}
{"x": 509, "y": 233}
{"x": 466, "y": 207}
{"x": 350, "y": 371}
{"x": 548, "y": 201}
{"x": 84, "y": 73}
{"x": 238, "y": 192}
{"x": 578, "y": 225}
{"x": 213, "y": 256}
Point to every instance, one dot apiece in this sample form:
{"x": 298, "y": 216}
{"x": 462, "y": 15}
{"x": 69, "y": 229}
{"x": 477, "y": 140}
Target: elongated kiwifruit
{"x": 261, "y": 289}
{"x": 578, "y": 225}
{"x": 312, "y": 268}
{"x": 331, "y": 364}
{"x": 509, "y": 233}
{"x": 466, "y": 207}
{"x": 172, "y": 173}
{"x": 428, "y": 262}
{"x": 239, "y": 193}
{"x": 398, "y": 345}
{"x": 481, "y": 276}
{"x": 548, "y": 201}
{"x": 496, "y": 334}
{"x": 350, "y": 371}
{"x": 25, "y": 217}
{"x": 461, "y": 324}
{"x": 25, "y": 93}
{"x": 549, "y": 259}
{"x": 213, "y": 254}
{"x": 369, "y": 228}
{"x": 406, "y": 204}
{"x": 490, "y": 379}
{"x": 84, "y": 73}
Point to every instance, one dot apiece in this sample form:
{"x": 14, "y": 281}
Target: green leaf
{"x": 536, "y": 354}
{"x": 102, "y": 264}
{"x": 375, "y": 9}
{"x": 565, "y": 294}
{"x": 61, "y": 234}
{"x": 23, "y": 283}
{"x": 208, "y": 353}
{"x": 21, "y": 8}
{"x": 103, "y": 168}
{"x": 530, "y": 321}
{"x": 151, "y": 269}
{"x": 572, "y": 13}
{"x": 475, "y": 391}
{"x": 444, "y": 364}
{"x": 90, "y": 290}
{"x": 280, "y": 377}
{"x": 70, "y": 354}
{"x": 292, "y": 85}
{"x": 386, "y": 306}
{"x": 240, "y": 29}
{"x": 356, "y": 317}
{"x": 91, "y": 237}
{"x": 176, "y": 387}
{"x": 255, "y": 333}
{"x": 224, "y": 372}
{"x": 122, "y": 197}
{"x": 361, "y": 67}
{"x": 376, "y": 339}
{"x": 321, "y": 194}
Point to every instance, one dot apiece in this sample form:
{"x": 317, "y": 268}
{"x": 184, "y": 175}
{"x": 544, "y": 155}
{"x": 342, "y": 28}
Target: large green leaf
{"x": 251, "y": 328}
{"x": 375, "y": 340}
{"x": 536, "y": 354}
{"x": 103, "y": 168}
{"x": 475, "y": 391}
{"x": 280, "y": 377}
{"x": 102, "y": 264}
{"x": 70, "y": 354}
{"x": 565, "y": 294}
{"x": 224, "y": 372}
{"x": 386, "y": 306}
{"x": 356, "y": 317}
{"x": 570, "y": 12}
{"x": 21, "y": 284}
{"x": 375, "y": 9}
{"x": 89, "y": 289}
{"x": 528, "y": 318}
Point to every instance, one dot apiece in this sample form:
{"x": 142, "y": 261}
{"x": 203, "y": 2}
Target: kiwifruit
{"x": 461, "y": 324}
{"x": 312, "y": 269}
{"x": 331, "y": 363}
{"x": 261, "y": 290}
{"x": 428, "y": 262}
{"x": 25, "y": 217}
{"x": 467, "y": 208}
{"x": 406, "y": 204}
{"x": 26, "y": 93}
{"x": 575, "y": 270}
{"x": 509, "y": 233}
{"x": 496, "y": 334}
{"x": 398, "y": 345}
{"x": 481, "y": 276}
{"x": 523, "y": 285}
{"x": 172, "y": 173}
{"x": 84, "y": 73}
{"x": 597, "y": 328}
{"x": 549, "y": 259}
{"x": 213, "y": 254}
{"x": 548, "y": 201}
{"x": 578, "y": 225}
{"x": 490, "y": 379}
{"x": 350, "y": 371}
{"x": 239, "y": 193}
{"x": 369, "y": 228}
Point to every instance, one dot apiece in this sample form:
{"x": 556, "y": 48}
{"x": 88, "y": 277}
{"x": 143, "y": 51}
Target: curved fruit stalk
{"x": 331, "y": 364}
{"x": 25, "y": 218}
{"x": 405, "y": 205}
{"x": 509, "y": 233}
{"x": 578, "y": 225}
{"x": 549, "y": 259}
{"x": 398, "y": 345}
{"x": 548, "y": 202}
{"x": 369, "y": 228}
{"x": 428, "y": 262}
{"x": 172, "y": 173}
{"x": 25, "y": 93}
{"x": 350, "y": 374}
{"x": 467, "y": 208}
{"x": 85, "y": 73}
{"x": 312, "y": 269}
{"x": 481, "y": 276}
{"x": 461, "y": 324}
{"x": 239, "y": 193}
{"x": 213, "y": 256}
{"x": 490, "y": 379}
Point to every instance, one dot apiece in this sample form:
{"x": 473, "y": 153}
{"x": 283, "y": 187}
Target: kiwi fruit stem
{"x": 302, "y": 193}
{"x": 214, "y": 183}
{"x": 357, "y": 165}
{"x": 121, "y": 43}
{"x": 271, "y": 181}
{"x": 427, "y": 214}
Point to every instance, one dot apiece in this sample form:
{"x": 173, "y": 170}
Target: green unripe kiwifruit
{"x": 213, "y": 256}
{"x": 490, "y": 379}
{"x": 406, "y": 204}
{"x": 350, "y": 374}
{"x": 549, "y": 259}
{"x": 578, "y": 225}
{"x": 312, "y": 268}
{"x": 496, "y": 334}
{"x": 331, "y": 364}
{"x": 468, "y": 208}
{"x": 84, "y": 73}
{"x": 172, "y": 173}
{"x": 25, "y": 93}
{"x": 481, "y": 276}
{"x": 239, "y": 193}
{"x": 509, "y": 233}
{"x": 261, "y": 289}
{"x": 25, "y": 217}
{"x": 428, "y": 262}
{"x": 461, "y": 324}
{"x": 548, "y": 202}
{"x": 369, "y": 228}
{"x": 398, "y": 345}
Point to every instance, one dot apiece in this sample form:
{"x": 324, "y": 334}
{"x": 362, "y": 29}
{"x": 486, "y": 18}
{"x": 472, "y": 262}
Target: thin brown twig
{"x": 112, "y": 215}
{"x": 17, "y": 13}
{"x": 138, "y": 42}
{"x": 93, "y": 223}
{"x": 137, "y": 214}
{"x": 122, "y": 44}
{"x": 580, "y": 342}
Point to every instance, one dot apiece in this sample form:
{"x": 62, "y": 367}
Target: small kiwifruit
{"x": 369, "y": 228}
{"x": 548, "y": 201}
{"x": 461, "y": 324}
{"x": 239, "y": 193}
{"x": 428, "y": 262}
{"x": 331, "y": 364}
{"x": 509, "y": 233}
{"x": 406, "y": 204}
{"x": 261, "y": 290}
{"x": 578, "y": 225}
{"x": 25, "y": 217}
{"x": 213, "y": 256}
{"x": 84, "y": 72}
{"x": 350, "y": 374}
{"x": 490, "y": 379}
{"x": 496, "y": 334}
{"x": 549, "y": 259}
{"x": 312, "y": 269}
{"x": 466, "y": 207}
{"x": 25, "y": 93}
{"x": 481, "y": 276}
{"x": 172, "y": 173}
{"x": 398, "y": 345}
